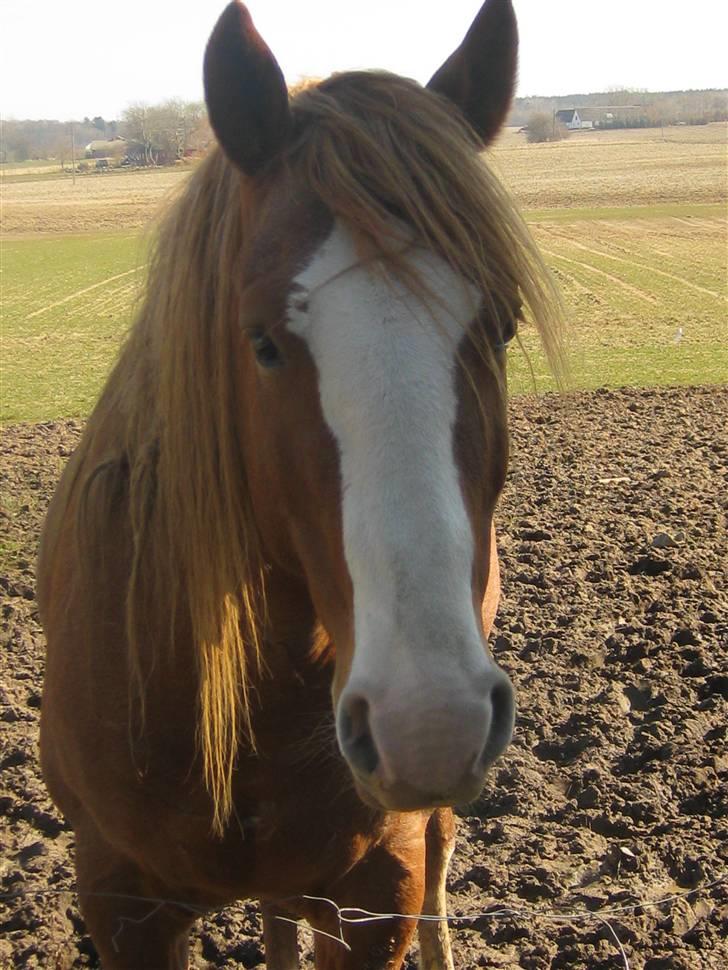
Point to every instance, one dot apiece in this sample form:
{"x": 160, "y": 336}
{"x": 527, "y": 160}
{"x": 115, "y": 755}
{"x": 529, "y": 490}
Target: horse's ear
{"x": 480, "y": 76}
{"x": 245, "y": 91}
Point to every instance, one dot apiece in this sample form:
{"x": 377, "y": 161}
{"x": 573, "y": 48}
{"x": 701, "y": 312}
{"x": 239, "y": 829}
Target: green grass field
{"x": 644, "y": 293}
{"x": 66, "y": 305}
{"x": 644, "y": 285}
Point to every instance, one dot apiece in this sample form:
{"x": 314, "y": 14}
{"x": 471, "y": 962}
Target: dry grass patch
{"x": 617, "y": 168}
{"x": 598, "y": 169}
{"x": 96, "y": 203}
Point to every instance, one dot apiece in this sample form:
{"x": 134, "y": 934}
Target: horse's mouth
{"x": 401, "y": 797}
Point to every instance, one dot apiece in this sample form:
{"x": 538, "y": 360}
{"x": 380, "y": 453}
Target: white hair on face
{"x": 387, "y": 377}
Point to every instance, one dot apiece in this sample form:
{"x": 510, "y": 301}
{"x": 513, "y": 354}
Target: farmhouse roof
{"x": 566, "y": 114}
{"x": 104, "y": 144}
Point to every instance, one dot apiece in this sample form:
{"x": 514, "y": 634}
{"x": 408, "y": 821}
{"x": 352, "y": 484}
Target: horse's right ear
{"x": 245, "y": 91}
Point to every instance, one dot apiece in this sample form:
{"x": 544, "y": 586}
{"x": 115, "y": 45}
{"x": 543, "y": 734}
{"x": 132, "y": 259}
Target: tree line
{"x": 156, "y": 134}
{"x": 629, "y": 108}
{"x": 159, "y": 134}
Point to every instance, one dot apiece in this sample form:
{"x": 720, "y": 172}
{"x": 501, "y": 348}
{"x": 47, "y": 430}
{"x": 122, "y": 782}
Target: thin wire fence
{"x": 352, "y": 915}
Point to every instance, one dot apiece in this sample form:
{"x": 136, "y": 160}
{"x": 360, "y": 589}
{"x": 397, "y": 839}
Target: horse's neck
{"x": 291, "y": 637}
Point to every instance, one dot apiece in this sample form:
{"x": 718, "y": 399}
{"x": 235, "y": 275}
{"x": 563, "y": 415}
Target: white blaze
{"x": 387, "y": 375}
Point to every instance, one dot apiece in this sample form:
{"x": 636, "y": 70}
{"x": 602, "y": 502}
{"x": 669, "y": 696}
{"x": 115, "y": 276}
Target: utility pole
{"x": 73, "y": 151}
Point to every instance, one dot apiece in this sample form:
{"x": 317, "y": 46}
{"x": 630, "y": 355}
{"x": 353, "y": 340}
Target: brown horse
{"x": 262, "y": 573}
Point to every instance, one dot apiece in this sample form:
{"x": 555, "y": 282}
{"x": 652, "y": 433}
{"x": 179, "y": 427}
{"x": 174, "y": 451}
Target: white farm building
{"x": 571, "y": 119}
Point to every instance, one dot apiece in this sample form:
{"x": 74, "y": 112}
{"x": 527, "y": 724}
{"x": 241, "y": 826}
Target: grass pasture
{"x": 645, "y": 297}
{"x": 633, "y": 224}
{"x": 66, "y": 304}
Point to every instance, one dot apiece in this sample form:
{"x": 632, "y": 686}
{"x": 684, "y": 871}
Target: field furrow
{"x": 79, "y": 293}
{"x": 652, "y": 269}
{"x": 617, "y": 280}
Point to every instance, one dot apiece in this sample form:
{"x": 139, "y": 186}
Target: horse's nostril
{"x": 503, "y": 713}
{"x": 355, "y": 739}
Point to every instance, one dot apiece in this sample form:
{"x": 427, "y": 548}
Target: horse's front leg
{"x": 389, "y": 879}
{"x": 132, "y": 920}
{"x": 435, "y": 952}
{"x": 281, "y": 939}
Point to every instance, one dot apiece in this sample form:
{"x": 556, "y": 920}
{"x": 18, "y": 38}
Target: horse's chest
{"x": 307, "y": 826}
{"x": 285, "y": 849}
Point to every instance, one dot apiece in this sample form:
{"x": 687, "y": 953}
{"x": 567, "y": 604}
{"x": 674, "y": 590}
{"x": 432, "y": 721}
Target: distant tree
{"x": 181, "y": 119}
{"x": 162, "y": 131}
{"x": 15, "y": 141}
{"x": 543, "y": 127}
{"x": 98, "y": 122}
{"x": 60, "y": 147}
{"x": 20, "y": 151}
{"x": 137, "y": 126}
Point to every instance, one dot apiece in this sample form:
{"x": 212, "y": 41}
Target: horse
{"x": 268, "y": 572}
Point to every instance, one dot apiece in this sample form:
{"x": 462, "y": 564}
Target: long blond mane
{"x": 370, "y": 146}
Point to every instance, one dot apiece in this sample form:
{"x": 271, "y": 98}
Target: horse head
{"x": 376, "y": 295}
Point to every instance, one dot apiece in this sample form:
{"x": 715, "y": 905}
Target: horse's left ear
{"x": 245, "y": 91}
{"x": 480, "y": 77}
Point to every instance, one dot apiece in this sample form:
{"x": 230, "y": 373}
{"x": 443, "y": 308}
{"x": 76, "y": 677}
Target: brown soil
{"x": 613, "y": 796}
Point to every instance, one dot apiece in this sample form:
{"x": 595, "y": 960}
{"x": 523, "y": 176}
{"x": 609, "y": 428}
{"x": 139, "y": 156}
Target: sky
{"x": 67, "y": 60}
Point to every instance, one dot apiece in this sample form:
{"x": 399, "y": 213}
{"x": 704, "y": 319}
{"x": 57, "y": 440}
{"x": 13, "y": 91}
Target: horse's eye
{"x": 266, "y": 352}
{"x": 506, "y": 325}
{"x": 500, "y": 325}
{"x": 506, "y": 332}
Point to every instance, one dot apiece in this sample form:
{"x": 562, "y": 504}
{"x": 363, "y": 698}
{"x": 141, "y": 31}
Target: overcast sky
{"x": 67, "y": 59}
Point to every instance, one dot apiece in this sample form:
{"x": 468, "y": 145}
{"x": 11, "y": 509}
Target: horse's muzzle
{"x": 424, "y": 755}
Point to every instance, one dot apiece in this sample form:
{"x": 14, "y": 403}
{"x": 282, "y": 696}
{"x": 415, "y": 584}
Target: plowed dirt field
{"x": 601, "y": 839}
